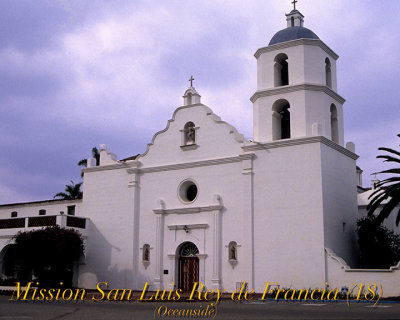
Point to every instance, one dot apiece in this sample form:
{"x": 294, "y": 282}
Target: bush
{"x": 50, "y": 253}
{"x": 379, "y": 246}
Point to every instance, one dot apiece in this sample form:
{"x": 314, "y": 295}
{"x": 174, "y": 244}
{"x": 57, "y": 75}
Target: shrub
{"x": 379, "y": 246}
{"x": 50, "y": 253}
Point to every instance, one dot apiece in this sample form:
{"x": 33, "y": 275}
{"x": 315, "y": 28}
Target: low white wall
{"x": 339, "y": 275}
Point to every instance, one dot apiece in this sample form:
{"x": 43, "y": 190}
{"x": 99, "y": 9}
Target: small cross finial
{"x": 191, "y": 81}
{"x": 294, "y": 4}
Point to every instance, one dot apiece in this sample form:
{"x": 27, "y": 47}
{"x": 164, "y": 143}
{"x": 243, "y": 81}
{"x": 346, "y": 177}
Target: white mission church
{"x": 202, "y": 203}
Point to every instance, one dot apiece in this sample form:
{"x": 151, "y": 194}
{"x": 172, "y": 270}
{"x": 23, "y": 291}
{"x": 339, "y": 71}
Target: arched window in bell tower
{"x": 328, "y": 73}
{"x": 281, "y": 120}
{"x": 281, "y": 70}
{"x": 334, "y": 124}
{"x": 292, "y": 21}
{"x": 189, "y": 99}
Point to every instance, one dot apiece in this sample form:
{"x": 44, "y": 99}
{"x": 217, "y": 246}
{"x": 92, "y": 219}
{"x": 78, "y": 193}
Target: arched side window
{"x": 328, "y": 73}
{"x": 334, "y": 124}
{"x": 281, "y": 70}
{"x": 232, "y": 251}
{"x": 14, "y": 214}
{"x": 189, "y": 132}
{"x": 189, "y": 98}
{"x": 42, "y": 212}
{"x": 281, "y": 120}
{"x": 146, "y": 253}
{"x": 8, "y": 260}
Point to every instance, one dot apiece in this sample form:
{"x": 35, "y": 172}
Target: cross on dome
{"x": 294, "y": 4}
{"x": 191, "y": 81}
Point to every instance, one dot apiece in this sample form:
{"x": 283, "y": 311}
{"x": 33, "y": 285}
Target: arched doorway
{"x": 188, "y": 266}
{"x": 13, "y": 267}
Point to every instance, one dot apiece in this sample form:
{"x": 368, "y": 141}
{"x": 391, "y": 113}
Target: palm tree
{"x": 95, "y": 154}
{"x": 72, "y": 191}
{"x": 387, "y": 189}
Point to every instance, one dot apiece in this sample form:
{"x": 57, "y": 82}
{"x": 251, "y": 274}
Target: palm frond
{"x": 390, "y": 150}
{"x": 388, "y": 158}
{"x": 72, "y": 191}
{"x": 83, "y": 163}
{"x": 395, "y": 171}
{"x": 387, "y": 189}
{"x": 398, "y": 218}
{"x": 62, "y": 195}
{"x": 96, "y": 155}
{"x": 387, "y": 209}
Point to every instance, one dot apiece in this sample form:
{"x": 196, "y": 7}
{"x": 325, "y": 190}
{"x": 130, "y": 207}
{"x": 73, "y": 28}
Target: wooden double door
{"x": 188, "y": 272}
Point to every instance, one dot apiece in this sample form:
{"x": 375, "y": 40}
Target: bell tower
{"x": 296, "y": 93}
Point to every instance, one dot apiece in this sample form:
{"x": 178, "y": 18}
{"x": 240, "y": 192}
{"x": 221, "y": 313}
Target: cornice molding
{"x": 173, "y": 256}
{"x": 294, "y": 43}
{"x": 134, "y": 166}
{"x": 299, "y": 141}
{"x": 297, "y": 87}
{"x": 194, "y": 164}
{"x": 189, "y": 226}
{"x": 189, "y": 210}
{"x": 189, "y": 147}
{"x": 121, "y": 165}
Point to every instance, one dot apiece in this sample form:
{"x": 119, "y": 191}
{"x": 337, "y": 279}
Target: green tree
{"x": 379, "y": 246}
{"x": 72, "y": 191}
{"x": 387, "y": 189}
{"x": 50, "y": 253}
{"x": 95, "y": 155}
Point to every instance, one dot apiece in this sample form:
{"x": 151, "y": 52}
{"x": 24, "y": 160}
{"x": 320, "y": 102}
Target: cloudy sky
{"x": 75, "y": 74}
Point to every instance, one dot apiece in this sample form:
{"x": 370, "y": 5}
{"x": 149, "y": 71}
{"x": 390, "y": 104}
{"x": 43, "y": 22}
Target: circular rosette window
{"x": 188, "y": 191}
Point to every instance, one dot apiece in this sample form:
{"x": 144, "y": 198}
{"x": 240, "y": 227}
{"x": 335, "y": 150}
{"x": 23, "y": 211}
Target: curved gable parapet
{"x": 238, "y": 137}
{"x": 338, "y": 259}
{"x": 232, "y": 130}
{"x": 154, "y": 137}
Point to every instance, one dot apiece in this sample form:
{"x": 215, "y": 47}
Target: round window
{"x": 188, "y": 191}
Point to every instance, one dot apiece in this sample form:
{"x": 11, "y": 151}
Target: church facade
{"x": 204, "y": 204}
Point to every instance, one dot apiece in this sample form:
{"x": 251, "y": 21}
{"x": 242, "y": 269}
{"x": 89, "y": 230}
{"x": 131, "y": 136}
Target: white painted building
{"x": 202, "y": 203}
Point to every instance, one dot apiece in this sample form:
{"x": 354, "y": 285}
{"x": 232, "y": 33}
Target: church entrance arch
{"x": 13, "y": 267}
{"x": 188, "y": 266}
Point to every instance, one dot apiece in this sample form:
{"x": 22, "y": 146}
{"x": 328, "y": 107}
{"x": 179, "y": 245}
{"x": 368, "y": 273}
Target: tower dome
{"x": 294, "y": 30}
{"x": 292, "y": 33}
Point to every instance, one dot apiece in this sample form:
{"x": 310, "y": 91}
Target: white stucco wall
{"x": 108, "y": 202}
{"x": 31, "y": 209}
{"x": 340, "y": 275}
{"x": 288, "y": 216}
{"x": 340, "y": 202}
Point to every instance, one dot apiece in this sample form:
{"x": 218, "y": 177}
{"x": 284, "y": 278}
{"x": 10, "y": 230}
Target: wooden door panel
{"x": 189, "y": 272}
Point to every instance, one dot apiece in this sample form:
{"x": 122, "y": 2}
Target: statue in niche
{"x": 232, "y": 251}
{"x": 146, "y": 253}
{"x": 190, "y": 134}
